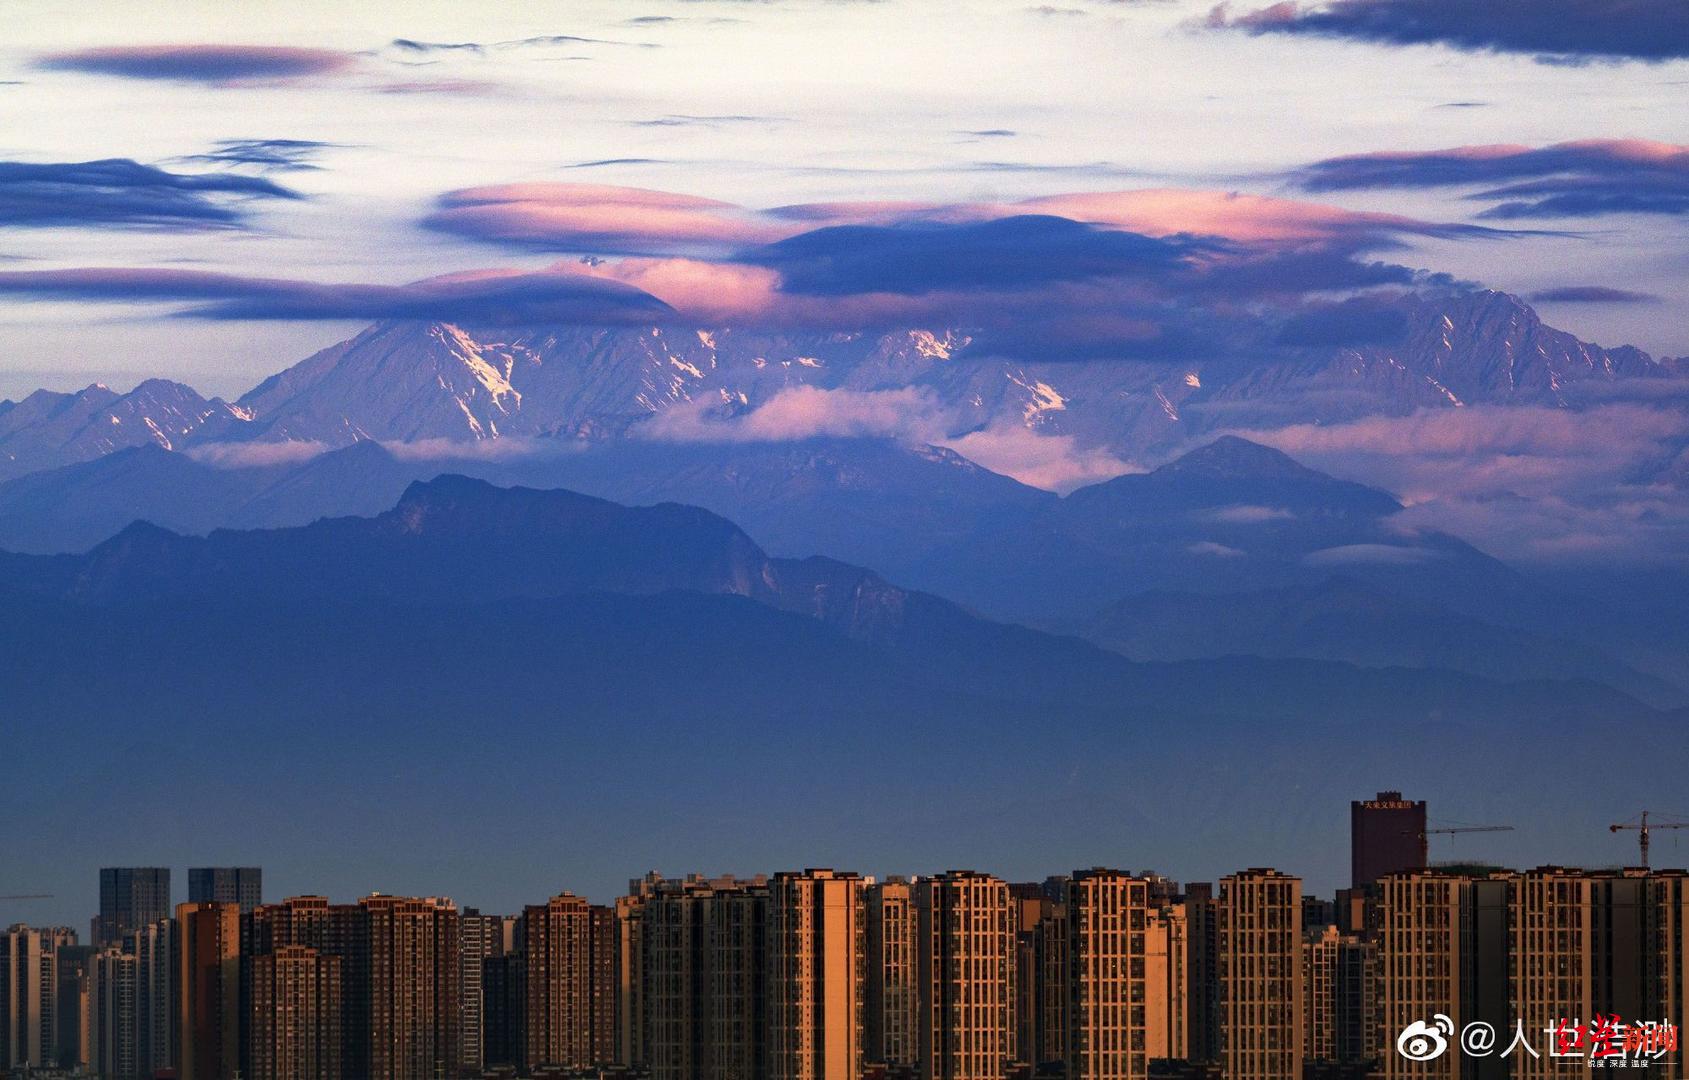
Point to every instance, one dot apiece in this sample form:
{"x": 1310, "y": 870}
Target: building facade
{"x": 130, "y": 897}
{"x": 1260, "y": 968}
{"x": 209, "y": 992}
{"x": 967, "y": 976}
{"x": 241, "y": 885}
{"x": 817, "y": 975}
{"x": 295, "y": 1015}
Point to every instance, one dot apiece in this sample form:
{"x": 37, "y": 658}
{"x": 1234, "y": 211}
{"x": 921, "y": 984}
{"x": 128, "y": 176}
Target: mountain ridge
{"x": 411, "y": 381}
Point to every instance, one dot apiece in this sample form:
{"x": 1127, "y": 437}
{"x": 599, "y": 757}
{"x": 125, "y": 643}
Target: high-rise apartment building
{"x": 1036, "y": 903}
{"x": 482, "y": 938}
{"x": 893, "y": 1004}
{"x": 817, "y": 975}
{"x": 1260, "y": 967}
{"x": 1050, "y": 996}
{"x": 295, "y": 1015}
{"x": 568, "y": 948}
{"x": 73, "y": 1009}
{"x": 242, "y": 885}
{"x": 157, "y": 1025}
{"x": 707, "y": 979}
{"x": 503, "y": 1006}
{"x": 208, "y": 988}
{"x": 1338, "y": 984}
{"x": 967, "y": 976}
{"x": 632, "y": 1007}
{"x": 130, "y": 897}
{"x": 1167, "y": 983}
{"x": 114, "y": 1018}
{"x": 1202, "y": 945}
{"x": 1585, "y": 945}
{"x": 404, "y": 971}
{"x": 1107, "y": 934}
{"x": 1386, "y": 836}
{"x": 29, "y": 1029}
{"x": 1668, "y": 907}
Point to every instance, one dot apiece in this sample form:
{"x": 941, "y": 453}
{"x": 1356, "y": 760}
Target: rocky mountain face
{"x": 456, "y": 540}
{"x": 410, "y": 382}
{"x": 48, "y": 429}
{"x": 405, "y": 381}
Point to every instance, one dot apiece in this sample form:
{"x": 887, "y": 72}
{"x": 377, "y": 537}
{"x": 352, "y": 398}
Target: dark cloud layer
{"x": 125, "y": 193}
{"x": 202, "y": 63}
{"x": 1593, "y": 294}
{"x": 498, "y": 297}
{"x": 1147, "y": 273}
{"x": 1009, "y": 252}
{"x": 1562, "y": 30}
{"x": 1572, "y": 179}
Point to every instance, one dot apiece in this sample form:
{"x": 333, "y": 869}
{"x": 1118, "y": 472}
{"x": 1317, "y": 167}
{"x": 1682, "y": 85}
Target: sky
{"x": 209, "y": 192}
{"x": 329, "y": 146}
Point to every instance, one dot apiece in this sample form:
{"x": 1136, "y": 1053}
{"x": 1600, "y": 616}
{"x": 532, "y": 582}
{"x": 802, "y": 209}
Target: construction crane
{"x": 1450, "y": 830}
{"x": 29, "y": 896}
{"x": 1642, "y": 826}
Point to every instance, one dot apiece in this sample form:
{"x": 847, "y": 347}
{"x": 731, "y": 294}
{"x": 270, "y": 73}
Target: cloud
{"x": 218, "y": 65}
{"x": 256, "y": 455}
{"x": 1593, "y": 294}
{"x": 585, "y": 217}
{"x": 410, "y": 47}
{"x": 1369, "y": 554}
{"x": 1560, "y": 30}
{"x": 485, "y": 297}
{"x": 802, "y": 412}
{"x": 1569, "y": 179}
{"x": 281, "y": 155}
{"x": 1116, "y": 275}
{"x": 1053, "y": 462}
{"x": 597, "y": 218}
{"x": 908, "y": 414}
{"x": 1005, "y": 252}
{"x": 1209, "y": 547}
{"x": 1351, "y": 323}
{"x": 685, "y": 120}
{"x": 461, "y": 87}
{"x": 1249, "y": 515}
{"x": 121, "y": 192}
{"x": 1535, "y": 485}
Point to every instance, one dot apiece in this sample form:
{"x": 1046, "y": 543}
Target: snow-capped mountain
{"x": 408, "y": 381}
{"x": 412, "y": 381}
{"x": 48, "y": 429}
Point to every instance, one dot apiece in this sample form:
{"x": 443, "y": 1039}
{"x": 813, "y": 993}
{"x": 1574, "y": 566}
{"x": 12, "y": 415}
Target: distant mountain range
{"x": 1228, "y": 548}
{"x": 409, "y": 382}
{"x": 650, "y": 678}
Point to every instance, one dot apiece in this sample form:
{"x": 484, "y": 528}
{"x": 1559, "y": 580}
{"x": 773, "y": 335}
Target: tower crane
{"x": 28, "y": 896}
{"x": 1450, "y": 830}
{"x": 1642, "y": 826}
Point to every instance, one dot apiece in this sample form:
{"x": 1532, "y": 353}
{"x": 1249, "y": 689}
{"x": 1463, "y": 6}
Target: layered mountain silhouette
{"x": 651, "y": 678}
{"x": 1229, "y": 523}
{"x": 347, "y": 432}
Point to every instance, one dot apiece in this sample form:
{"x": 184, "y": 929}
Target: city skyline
{"x": 1377, "y": 845}
{"x": 826, "y": 974}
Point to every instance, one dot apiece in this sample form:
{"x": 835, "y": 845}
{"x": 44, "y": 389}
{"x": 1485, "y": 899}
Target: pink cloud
{"x": 909, "y": 414}
{"x": 803, "y": 412}
{"x": 601, "y": 217}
